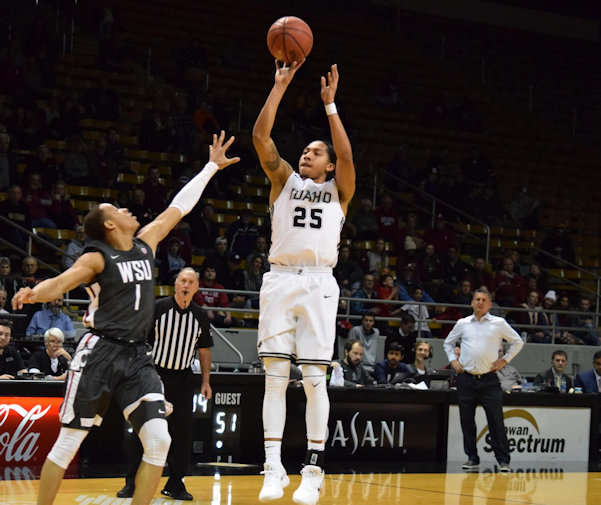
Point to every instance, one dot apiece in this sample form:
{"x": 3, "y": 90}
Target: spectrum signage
{"x": 534, "y": 434}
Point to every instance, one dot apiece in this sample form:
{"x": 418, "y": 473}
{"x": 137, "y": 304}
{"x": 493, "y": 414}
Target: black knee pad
{"x": 145, "y": 412}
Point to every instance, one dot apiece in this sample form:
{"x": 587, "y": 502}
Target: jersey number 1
{"x": 300, "y": 216}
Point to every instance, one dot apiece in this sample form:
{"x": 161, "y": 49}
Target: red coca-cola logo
{"x": 28, "y": 429}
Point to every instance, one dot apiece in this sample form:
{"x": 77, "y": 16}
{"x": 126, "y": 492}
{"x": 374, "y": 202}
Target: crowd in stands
{"x": 387, "y": 255}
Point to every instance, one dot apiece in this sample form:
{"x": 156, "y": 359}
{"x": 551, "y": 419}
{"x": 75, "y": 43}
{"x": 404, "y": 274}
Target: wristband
{"x": 331, "y": 109}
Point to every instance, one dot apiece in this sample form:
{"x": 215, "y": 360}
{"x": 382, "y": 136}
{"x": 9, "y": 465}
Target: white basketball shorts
{"x": 297, "y": 317}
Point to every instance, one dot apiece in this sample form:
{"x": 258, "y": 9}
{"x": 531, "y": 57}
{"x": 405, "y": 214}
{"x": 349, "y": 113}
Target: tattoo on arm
{"x": 273, "y": 161}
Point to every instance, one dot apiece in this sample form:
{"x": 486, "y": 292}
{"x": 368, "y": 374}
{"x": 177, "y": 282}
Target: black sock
{"x": 315, "y": 458}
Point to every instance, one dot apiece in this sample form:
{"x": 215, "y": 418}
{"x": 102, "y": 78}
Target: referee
{"x": 481, "y": 335}
{"x": 181, "y": 327}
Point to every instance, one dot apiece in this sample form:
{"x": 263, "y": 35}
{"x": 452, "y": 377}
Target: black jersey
{"x": 178, "y": 333}
{"x": 122, "y": 296}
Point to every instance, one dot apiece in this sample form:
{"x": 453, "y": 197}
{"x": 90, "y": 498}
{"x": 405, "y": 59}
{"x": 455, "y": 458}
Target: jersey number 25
{"x": 300, "y": 217}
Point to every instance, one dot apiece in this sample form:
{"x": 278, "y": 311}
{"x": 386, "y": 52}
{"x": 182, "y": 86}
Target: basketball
{"x": 290, "y": 39}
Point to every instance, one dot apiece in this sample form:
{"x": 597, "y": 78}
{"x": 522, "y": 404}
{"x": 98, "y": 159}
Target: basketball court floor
{"x": 527, "y": 484}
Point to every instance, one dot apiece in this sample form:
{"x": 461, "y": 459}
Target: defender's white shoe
{"x": 274, "y": 483}
{"x": 308, "y": 491}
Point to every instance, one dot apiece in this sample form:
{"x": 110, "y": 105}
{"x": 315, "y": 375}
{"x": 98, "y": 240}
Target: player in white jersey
{"x": 299, "y": 295}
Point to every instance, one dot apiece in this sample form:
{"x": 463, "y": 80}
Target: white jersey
{"x": 306, "y": 220}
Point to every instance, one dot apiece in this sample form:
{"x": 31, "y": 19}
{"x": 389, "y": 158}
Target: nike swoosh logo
{"x": 114, "y": 257}
{"x": 148, "y": 353}
{"x": 161, "y": 411}
{"x": 328, "y": 296}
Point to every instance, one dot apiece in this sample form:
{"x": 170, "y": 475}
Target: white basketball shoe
{"x": 274, "y": 483}
{"x": 310, "y": 486}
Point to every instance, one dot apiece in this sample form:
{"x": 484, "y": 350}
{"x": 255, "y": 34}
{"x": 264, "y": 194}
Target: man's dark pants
{"x": 474, "y": 390}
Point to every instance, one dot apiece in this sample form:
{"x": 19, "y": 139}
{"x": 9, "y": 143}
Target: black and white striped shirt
{"x": 178, "y": 333}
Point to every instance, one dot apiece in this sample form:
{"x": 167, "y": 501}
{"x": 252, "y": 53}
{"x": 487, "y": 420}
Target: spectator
{"x": 590, "y": 334}
{"x": 368, "y": 335}
{"x": 173, "y": 262}
{"x": 465, "y": 297}
{"x": 408, "y": 283}
{"x": 8, "y": 281}
{"x": 352, "y": 370}
{"x": 39, "y": 202}
{"x": 509, "y": 377}
{"x": 234, "y": 279}
{"x": 443, "y": 313}
{"x": 154, "y": 132}
{"x": 54, "y": 360}
{"x": 253, "y": 279}
{"x": 62, "y": 212}
{"x": 388, "y": 220}
{"x": 75, "y": 168}
{"x": 555, "y": 375}
{"x": 524, "y": 209}
{"x": 454, "y": 270}
{"x": 102, "y": 164}
{"x": 15, "y": 210}
{"x": 347, "y": 271}
{"x": 510, "y": 286}
{"x": 558, "y": 244}
{"x": 51, "y": 317}
{"x": 74, "y": 247}
{"x": 378, "y": 258}
{"x": 427, "y": 270}
{"x": 45, "y": 164}
{"x": 419, "y": 312}
{"x": 358, "y": 254}
{"x": 115, "y": 150}
{"x": 155, "y": 191}
{"x": 207, "y": 298}
{"x": 480, "y": 276}
{"x": 423, "y": 354}
{"x": 242, "y": 234}
{"x": 261, "y": 249}
{"x": 410, "y": 237}
{"x": 3, "y": 298}
{"x": 30, "y": 272}
{"x": 8, "y": 163}
{"x": 590, "y": 381}
{"x": 366, "y": 291}
{"x": 364, "y": 224}
{"x": 139, "y": 208}
{"x": 535, "y": 271}
{"x": 11, "y": 363}
{"x": 204, "y": 228}
{"x": 386, "y": 370}
{"x": 387, "y": 290}
{"x": 218, "y": 257}
{"x": 398, "y": 168}
{"x": 441, "y": 236}
{"x": 535, "y": 318}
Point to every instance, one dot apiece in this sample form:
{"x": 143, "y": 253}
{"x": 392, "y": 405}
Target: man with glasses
{"x": 11, "y": 363}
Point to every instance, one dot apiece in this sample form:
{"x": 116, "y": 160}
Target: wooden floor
{"x": 486, "y": 488}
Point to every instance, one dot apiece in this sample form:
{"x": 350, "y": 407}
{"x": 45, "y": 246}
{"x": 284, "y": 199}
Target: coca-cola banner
{"x": 28, "y": 428}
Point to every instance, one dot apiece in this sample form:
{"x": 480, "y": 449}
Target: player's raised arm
{"x": 188, "y": 196}
{"x": 345, "y": 168}
{"x": 276, "y": 169}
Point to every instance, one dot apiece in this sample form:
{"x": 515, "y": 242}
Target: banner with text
{"x": 534, "y": 433}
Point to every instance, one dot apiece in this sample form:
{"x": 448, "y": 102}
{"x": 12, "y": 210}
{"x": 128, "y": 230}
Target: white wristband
{"x": 331, "y": 109}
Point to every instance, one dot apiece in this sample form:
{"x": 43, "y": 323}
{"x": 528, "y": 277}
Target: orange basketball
{"x": 290, "y": 39}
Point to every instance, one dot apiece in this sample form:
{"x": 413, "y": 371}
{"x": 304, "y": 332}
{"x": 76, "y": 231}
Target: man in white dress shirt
{"x": 481, "y": 337}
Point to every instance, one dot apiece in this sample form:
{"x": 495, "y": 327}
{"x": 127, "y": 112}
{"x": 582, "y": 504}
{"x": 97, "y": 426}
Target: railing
{"x": 438, "y": 202}
{"x": 553, "y": 328}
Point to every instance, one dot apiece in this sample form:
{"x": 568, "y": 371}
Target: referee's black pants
{"x": 179, "y": 390}
{"x": 474, "y": 390}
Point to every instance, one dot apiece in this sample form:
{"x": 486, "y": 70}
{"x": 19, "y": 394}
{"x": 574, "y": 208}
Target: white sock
{"x": 312, "y": 446}
{"x": 273, "y": 452}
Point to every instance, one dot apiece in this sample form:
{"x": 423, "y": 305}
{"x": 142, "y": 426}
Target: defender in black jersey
{"x": 113, "y": 359}
{"x": 181, "y": 328}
